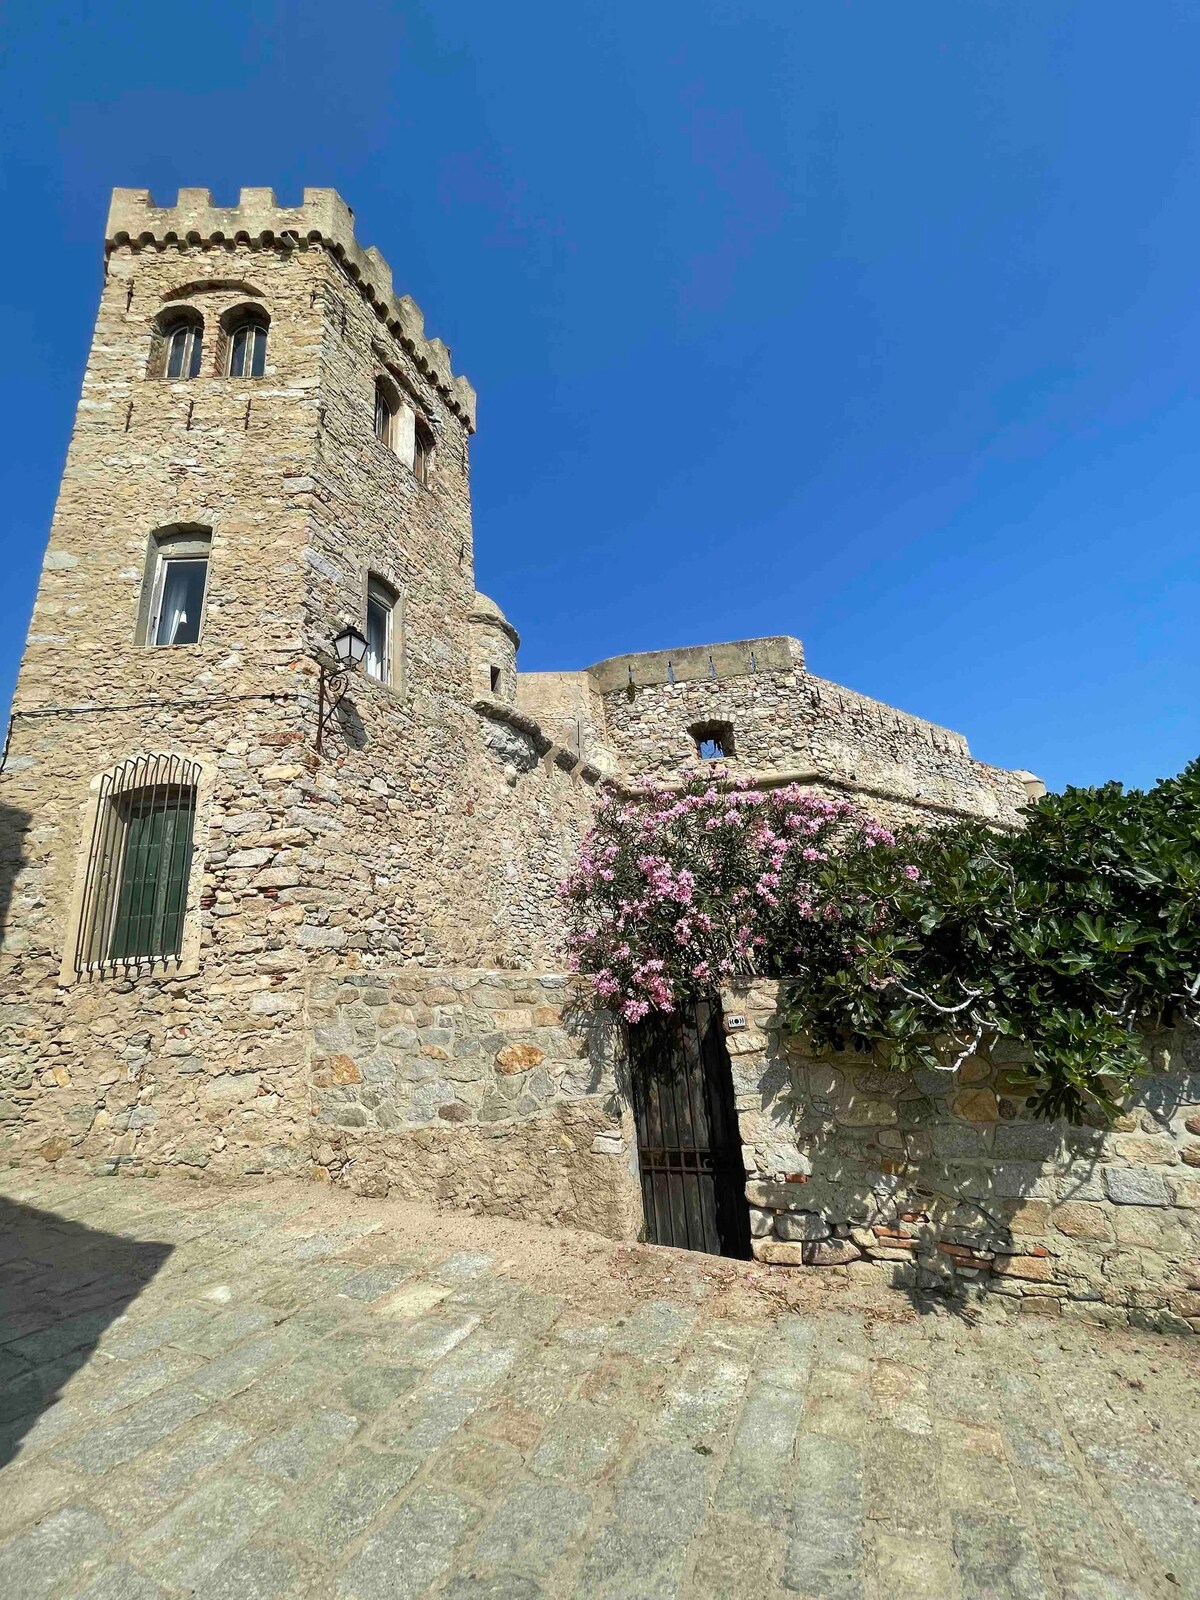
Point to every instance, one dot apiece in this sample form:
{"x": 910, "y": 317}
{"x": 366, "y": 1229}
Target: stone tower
{"x": 267, "y": 448}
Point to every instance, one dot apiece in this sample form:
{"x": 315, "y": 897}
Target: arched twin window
{"x": 405, "y": 433}
{"x": 179, "y": 344}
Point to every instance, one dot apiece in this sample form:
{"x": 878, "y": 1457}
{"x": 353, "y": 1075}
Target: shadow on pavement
{"x": 61, "y": 1285}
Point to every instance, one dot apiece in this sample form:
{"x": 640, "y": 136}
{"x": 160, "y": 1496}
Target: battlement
{"x": 259, "y": 220}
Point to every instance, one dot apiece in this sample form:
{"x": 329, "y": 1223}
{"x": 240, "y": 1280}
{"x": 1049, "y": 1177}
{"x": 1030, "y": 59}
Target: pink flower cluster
{"x": 674, "y": 892}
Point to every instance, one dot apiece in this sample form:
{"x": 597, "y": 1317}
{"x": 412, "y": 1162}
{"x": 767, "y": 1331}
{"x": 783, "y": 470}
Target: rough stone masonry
{"x": 355, "y": 971}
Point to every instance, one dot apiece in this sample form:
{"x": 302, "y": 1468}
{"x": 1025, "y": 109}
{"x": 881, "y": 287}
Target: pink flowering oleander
{"x": 712, "y": 880}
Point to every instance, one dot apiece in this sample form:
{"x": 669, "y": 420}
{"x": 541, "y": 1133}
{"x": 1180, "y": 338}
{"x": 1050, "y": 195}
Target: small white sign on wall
{"x": 734, "y": 1022}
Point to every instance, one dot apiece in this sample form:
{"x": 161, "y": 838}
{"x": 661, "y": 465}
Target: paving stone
{"x": 375, "y": 1388}
{"x": 903, "y": 1568}
{"x": 299, "y": 1450}
{"x": 432, "y": 1337}
{"x": 411, "y": 1550}
{"x": 819, "y": 1574}
{"x": 238, "y": 1369}
{"x": 754, "y": 1482}
{"x": 1068, "y": 1528}
{"x": 514, "y": 1445}
{"x": 184, "y": 1548}
{"x": 116, "y": 1442}
{"x": 146, "y": 1487}
{"x": 425, "y": 1420}
{"x": 29, "y": 1490}
{"x": 704, "y": 1397}
{"x": 133, "y": 1381}
{"x": 481, "y": 1467}
{"x": 996, "y": 1557}
{"x": 533, "y": 1527}
{"x": 142, "y": 1330}
{"x": 331, "y": 1513}
{"x": 493, "y": 1586}
{"x": 827, "y": 1497}
{"x": 1082, "y": 1583}
{"x": 735, "y": 1560}
{"x": 37, "y": 1561}
{"x": 120, "y": 1582}
{"x": 580, "y": 1444}
{"x": 374, "y": 1282}
{"x": 466, "y": 1264}
{"x": 656, "y": 1329}
{"x": 222, "y": 1332}
{"x": 619, "y": 1564}
{"x": 1168, "y": 1519}
{"x": 663, "y": 1493}
{"x": 258, "y": 1574}
{"x": 478, "y": 1363}
{"x": 901, "y": 1472}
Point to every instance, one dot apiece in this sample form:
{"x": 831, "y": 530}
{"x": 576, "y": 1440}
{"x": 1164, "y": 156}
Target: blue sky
{"x": 877, "y": 324}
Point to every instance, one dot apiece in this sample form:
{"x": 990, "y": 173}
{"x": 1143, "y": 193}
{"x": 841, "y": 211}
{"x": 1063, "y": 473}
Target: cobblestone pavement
{"x": 279, "y": 1391}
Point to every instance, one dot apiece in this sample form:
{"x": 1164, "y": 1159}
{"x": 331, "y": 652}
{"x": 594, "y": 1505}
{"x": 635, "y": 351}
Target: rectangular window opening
{"x": 495, "y": 677}
{"x": 381, "y": 605}
{"x": 178, "y": 599}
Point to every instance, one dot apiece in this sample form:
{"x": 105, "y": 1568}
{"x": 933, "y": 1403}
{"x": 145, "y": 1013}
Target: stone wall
{"x": 486, "y": 1090}
{"x": 784, "y": 720}
{"x": 944, "y": 1181}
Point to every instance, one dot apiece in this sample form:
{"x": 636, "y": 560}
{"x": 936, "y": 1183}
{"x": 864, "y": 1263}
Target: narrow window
{"x": 139, "y": 863}
{"x": 713, "y": 740}
{"x": 179, "y": 579}
{"x": 423, "y": 444}
{"x": 178, "y": 345}
{"x": 495, "y": 677}
{"x": 381, "y": 610}
{"x": 385, "y": 415}
{"x": 183, "y": 350}
{"x": 248, "y": 348}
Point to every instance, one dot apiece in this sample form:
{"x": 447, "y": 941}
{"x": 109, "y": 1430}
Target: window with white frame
{"x": 380, "y": 630}
{"x": 138, "y": 868}
{"x": 248, "y": 346}
{"x": 174, "y": 587}
{"x": 183, "y": 344}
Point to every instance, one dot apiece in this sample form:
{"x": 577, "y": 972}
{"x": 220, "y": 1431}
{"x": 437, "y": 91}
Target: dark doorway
{"x": 689, "y": 1150}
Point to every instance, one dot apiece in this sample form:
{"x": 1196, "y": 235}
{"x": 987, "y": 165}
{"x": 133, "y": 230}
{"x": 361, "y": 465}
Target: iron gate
{"x": 689, "y": 1150}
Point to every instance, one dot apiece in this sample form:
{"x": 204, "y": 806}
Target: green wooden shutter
{"x": 155, "y": 864}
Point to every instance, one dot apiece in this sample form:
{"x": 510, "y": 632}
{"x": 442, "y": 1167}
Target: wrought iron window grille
{"x": 135, "y": 891}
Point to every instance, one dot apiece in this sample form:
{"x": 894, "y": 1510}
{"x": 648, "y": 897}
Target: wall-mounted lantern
{"x": 346, "y": 651}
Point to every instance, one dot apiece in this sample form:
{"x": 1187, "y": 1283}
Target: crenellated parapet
{"x": 259, "y": 220}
